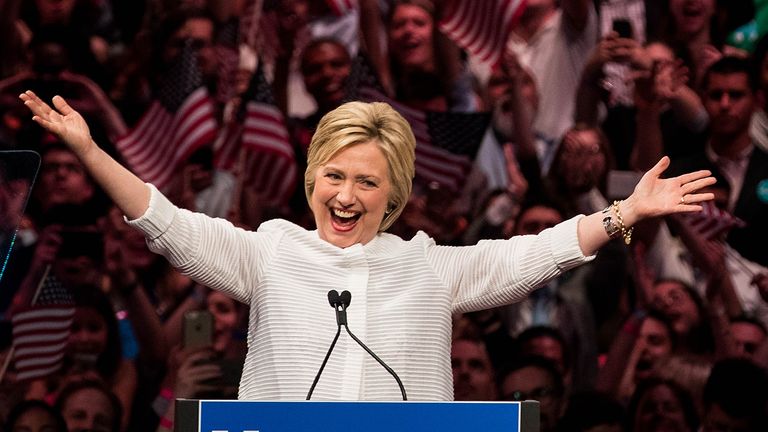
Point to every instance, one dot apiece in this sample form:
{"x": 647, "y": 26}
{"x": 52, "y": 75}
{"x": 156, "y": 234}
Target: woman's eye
{"x": 369, "y": 183}
{"x": 333, "y": 176}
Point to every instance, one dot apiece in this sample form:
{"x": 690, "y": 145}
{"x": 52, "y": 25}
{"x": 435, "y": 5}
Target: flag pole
{"x": 11, "y": 351}
{"x": 236, "y": 211}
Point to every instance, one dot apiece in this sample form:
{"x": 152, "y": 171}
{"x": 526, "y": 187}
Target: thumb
{"x": 62, "y": 105}
{"x": 660, "y": 167}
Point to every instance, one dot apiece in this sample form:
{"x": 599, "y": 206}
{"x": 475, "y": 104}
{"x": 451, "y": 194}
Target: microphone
{"x": 340, "y": 303}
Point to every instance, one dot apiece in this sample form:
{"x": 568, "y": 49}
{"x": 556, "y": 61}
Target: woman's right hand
{"x": 64, "y": 122}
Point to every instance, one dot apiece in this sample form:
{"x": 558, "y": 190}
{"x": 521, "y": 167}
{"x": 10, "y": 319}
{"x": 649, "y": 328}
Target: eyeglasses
{"x": 536, "y": 394}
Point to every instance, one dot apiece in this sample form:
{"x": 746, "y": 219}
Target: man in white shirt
{"x": 554, "y": 43}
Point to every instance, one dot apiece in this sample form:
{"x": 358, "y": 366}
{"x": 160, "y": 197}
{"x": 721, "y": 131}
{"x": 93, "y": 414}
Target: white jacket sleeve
{"x": 499, "y": 272}
{"x": 211, "y": 251}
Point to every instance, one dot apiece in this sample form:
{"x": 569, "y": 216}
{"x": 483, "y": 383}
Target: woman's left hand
{"x": 656, "y": 196}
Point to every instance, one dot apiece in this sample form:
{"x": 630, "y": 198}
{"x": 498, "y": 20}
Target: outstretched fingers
{"x": 43, "y": 114}
{"x": 693, "y": 176}
{"x": 694, "y": 185}
{"x": 35, "y": 104}
{"x": 692, "y": 202}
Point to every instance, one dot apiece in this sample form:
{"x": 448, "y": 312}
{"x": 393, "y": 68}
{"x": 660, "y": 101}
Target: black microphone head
{"x": 346, "y": 298}
{"x": 333, "y": 298}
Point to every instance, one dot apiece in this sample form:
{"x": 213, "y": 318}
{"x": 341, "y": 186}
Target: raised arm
{"x": 653, "y": 196}
{"x": 128, "y": 192}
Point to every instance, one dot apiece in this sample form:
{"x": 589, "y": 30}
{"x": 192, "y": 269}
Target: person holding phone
{"x": 358, "y": 179}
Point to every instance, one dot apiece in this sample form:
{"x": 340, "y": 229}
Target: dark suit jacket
{"x": 750, "y": 241}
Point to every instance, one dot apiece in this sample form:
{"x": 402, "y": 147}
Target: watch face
{"x": 611, "y": 228}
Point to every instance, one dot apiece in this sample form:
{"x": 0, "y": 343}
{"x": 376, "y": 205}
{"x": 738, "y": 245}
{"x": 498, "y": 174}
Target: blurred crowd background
{"x": 526, "y": 113}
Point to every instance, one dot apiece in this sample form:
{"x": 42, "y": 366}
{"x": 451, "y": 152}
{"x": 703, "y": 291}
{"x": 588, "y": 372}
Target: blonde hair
{"x": 358, "y": 123}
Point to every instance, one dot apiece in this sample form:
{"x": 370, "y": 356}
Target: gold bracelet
{"x": 625, "y": 232}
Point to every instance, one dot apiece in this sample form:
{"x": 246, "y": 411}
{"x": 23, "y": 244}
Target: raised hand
{"x": 64, "y": 122}
{"x": 656, "y": 196}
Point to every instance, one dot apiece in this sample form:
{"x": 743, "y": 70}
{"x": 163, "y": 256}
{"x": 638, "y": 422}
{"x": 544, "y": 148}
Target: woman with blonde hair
{"x": 358, "y": 179}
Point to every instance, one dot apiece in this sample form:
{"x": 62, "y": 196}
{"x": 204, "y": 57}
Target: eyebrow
{"x": 327, "y": 168}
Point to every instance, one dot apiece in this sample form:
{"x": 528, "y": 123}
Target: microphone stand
{"x": 334, "y": 300}
{"x": 339, "y": 304}
{"x": 381, "y": 362}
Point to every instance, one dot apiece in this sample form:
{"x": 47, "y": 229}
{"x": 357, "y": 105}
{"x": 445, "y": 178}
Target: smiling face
{"x": 351, "y": 195}
{"x": 410, "y": 36}
{"x": 325, "y": 68}
{"x": 88, "y": 336}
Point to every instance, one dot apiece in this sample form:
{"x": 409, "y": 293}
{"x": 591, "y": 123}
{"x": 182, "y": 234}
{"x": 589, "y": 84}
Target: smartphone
{"x": 197, "y": 329}
{"x": 623, "y": 27}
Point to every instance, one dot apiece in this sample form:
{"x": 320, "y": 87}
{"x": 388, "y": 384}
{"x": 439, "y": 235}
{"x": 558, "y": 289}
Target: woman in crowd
{"x": 662, "y": 405}
{"x": 89, "y": 406}
{"x": 358, "y": 179}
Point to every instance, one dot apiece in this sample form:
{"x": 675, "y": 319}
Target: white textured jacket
{"x": 403, "y": 295}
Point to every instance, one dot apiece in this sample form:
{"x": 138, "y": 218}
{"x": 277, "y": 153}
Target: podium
{"x": 315, "y": 416}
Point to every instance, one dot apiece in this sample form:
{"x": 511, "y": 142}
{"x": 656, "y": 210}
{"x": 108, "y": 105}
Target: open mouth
{"x": 692, "y": 11}
{"x": 644, "y": 365}
{"x": 344, "y": 220}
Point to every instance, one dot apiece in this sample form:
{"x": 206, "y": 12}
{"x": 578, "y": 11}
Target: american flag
{"x": 342, "y": 7}
{"x": 482, "y": 27}
{"x": 446, "y": 142}
{"x": 269, "y": 164}
{"x": 712, "y": 223}
{"x": 180, "y": 121}
{"x": 41, "y": 331}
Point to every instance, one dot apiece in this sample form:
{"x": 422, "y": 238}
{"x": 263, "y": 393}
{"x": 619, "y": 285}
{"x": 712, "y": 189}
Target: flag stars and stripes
{"x": 41, "y": 331}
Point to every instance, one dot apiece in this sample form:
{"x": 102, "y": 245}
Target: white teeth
{"x": 344, "y": 214}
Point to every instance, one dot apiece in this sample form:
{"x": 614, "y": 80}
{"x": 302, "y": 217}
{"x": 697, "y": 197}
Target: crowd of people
{"x": 666, "y": 329}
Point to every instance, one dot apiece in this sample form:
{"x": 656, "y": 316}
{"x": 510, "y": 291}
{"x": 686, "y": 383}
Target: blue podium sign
{"x": 306, "y": 416}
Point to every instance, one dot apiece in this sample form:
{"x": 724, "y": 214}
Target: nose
{"x": 346, "y": 194}
{"x": 327, "y": 70}
{"x": 408, "y": 28}
{"x": 725, "y": 101}
{"x": 78, "y": 336}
